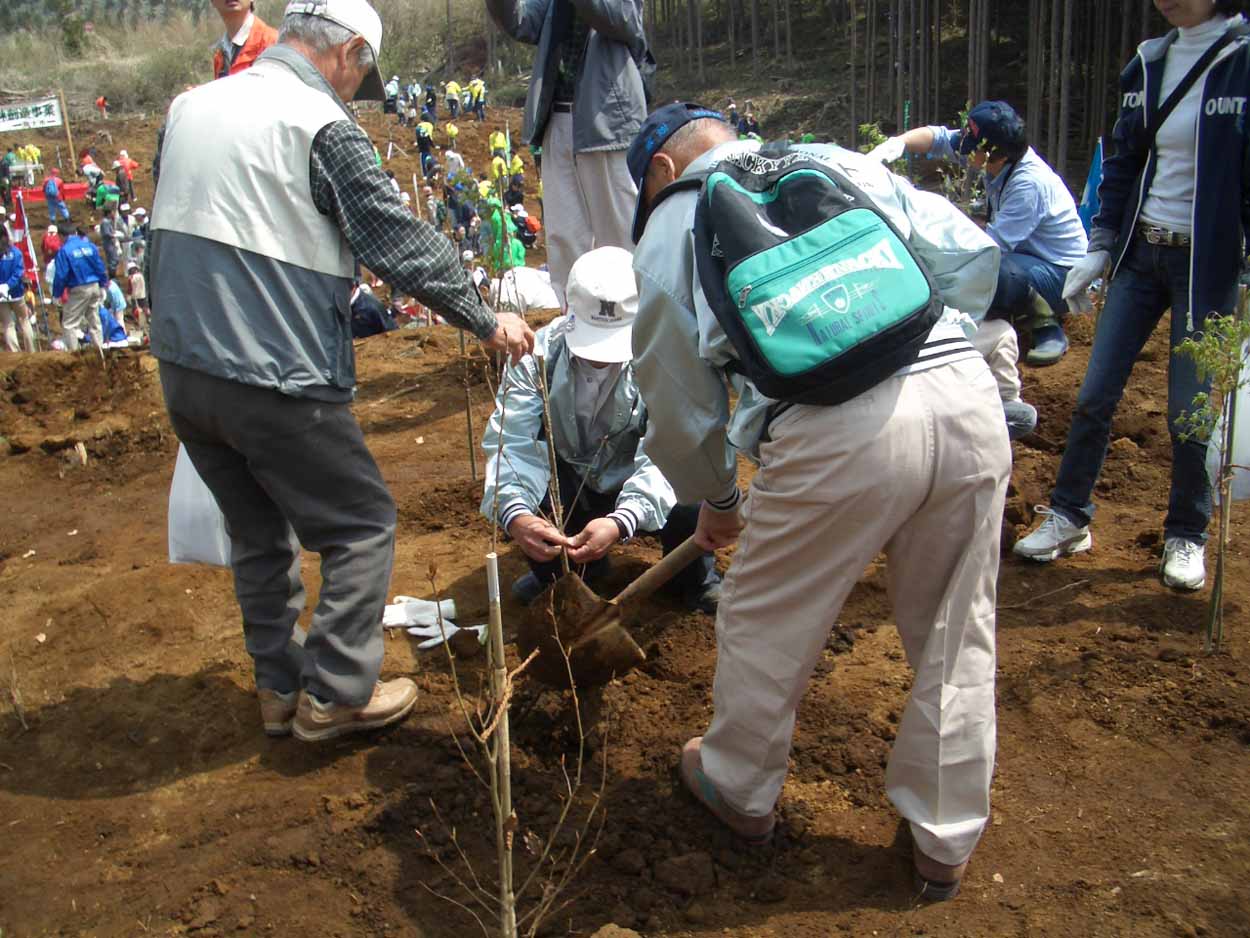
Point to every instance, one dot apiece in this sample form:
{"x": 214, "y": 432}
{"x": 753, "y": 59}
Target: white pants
{"x": 12, "y": 314}
{"x": 82, "y": 311}
{"x": 917, "y": 467}
{"x": 996, "y": 340}
{"x": 588, "y": 200}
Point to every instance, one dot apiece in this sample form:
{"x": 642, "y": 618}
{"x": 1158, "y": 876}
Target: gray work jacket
{"x": 610, "y": 102}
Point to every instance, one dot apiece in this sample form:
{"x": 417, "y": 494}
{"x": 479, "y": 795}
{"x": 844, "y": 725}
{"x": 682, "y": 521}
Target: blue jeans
{"x": 1150, "y": 280}
{"x": 56, "y": 209}
{"x": 1016, "y": 274}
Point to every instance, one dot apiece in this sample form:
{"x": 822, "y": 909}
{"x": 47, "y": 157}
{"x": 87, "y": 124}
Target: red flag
{"x": 19, "y": 236}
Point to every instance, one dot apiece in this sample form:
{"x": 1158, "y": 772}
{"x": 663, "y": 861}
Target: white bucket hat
{"x": 363, "y": 20}
{"x": 603, "y": 303}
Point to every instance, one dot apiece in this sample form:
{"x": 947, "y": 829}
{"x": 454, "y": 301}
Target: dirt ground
{"x": 141, "y": 798}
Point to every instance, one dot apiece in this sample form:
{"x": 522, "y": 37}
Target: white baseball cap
{"x": 603, "y": 303}
{"x": 141, "y": 210}
{"x": 466, "y": 256}
{"x": 363, "y": 20}
{"x": 125, "y": 206}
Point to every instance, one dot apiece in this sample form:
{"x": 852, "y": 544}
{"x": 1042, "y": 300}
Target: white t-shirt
{"x": 1170, "y": 201}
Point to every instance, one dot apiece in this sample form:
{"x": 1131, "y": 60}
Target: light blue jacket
{"x": 517, "y": 466}
{"x": 1032, "y": 210}
{"x": 682, "y": 355}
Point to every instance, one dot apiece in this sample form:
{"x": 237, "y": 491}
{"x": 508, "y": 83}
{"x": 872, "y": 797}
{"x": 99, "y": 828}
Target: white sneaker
{"x": 1183, "y": 564}
{"x": 1055, "y": 537}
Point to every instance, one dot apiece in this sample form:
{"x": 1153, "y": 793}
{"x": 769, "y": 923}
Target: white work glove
{"x": 4, "y": 291}
{"x": 893, "y": 149}
{"x": 1084, "y": 272}
{"x": 409, "y": 611}
{"x": 434, "y": 636}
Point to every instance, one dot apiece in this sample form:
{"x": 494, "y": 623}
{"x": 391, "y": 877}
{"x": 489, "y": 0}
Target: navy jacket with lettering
{"x": 1222, "y": 192}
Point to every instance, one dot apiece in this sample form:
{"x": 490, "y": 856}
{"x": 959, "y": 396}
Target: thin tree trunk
{"x": 755, "y": 37}
{"x": 853, "y": 136}
{"x": 1065, "y": 94}
{"x": 776, "y": 30}
{"x": 1056, "y": 24}
{"x": 789, "y": 37}
{"x": 451, "y": 44}
{"x": 1145, "y": 19}
{"x": 974, "y": 17}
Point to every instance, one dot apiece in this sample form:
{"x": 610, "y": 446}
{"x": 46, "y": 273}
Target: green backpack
{"x": 819, "y": 293}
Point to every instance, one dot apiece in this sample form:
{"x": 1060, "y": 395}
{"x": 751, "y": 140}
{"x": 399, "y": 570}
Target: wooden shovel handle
{"x": 662, "y": 572}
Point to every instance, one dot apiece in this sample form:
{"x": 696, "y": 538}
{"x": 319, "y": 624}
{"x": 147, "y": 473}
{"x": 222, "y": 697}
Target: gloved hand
{"x": 4, "y": 291}
{"x": 1083, "y": 273}
{"x": 434, "y": 636}
{"x": 893, "y": 149}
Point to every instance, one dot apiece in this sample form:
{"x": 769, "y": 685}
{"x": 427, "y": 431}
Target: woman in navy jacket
{"x": 1175, "y": 204}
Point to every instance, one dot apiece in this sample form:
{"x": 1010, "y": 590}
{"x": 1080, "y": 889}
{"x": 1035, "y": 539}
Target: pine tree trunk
{"x": 870, "y": 62}
{"x": 1056, "y": 23}
{"x": 1065, "y": 94}
{"x": 974, "y": 17}
{"x": 776, "y": 30}
{"x": 853, "y": 135}
{"x": 1145, "y": 19}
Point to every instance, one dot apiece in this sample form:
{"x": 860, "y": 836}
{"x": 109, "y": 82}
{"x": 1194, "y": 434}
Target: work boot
{"x": 277, "y": 710}
{"x": 391, "y": 702}
{"x": 1183, "y": 565}
{"x": 1021, "y": 418}
{"x": 1055, "y": 537}
{"x": 1049, "y": 341}
{"x": 756, "y": 831}
{"x": 936, "y": 882}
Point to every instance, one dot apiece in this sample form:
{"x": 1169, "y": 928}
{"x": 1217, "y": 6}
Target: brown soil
{"x": 144, "y": 799}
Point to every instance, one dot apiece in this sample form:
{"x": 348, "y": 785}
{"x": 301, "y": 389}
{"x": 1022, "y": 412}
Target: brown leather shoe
{"x": 756, "y": 831}
{"x": 391, "y": 702}
{"x": 936, "y": 881}
{"x": 277, "y": 710}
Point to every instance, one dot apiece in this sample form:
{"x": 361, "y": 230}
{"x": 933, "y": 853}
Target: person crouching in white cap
{"x": 609, "y": 489}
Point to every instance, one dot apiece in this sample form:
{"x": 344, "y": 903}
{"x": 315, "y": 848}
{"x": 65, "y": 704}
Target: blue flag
{"x": 1089, "y": 206}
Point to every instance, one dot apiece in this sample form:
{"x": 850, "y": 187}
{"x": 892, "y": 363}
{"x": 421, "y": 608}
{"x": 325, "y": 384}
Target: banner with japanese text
{"x": 45, "y": 113}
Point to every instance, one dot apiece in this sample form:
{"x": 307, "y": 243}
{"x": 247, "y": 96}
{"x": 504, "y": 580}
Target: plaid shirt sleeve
{"x": 350, "y": 187}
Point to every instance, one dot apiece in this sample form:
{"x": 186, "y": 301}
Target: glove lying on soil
{"x": 434, "y": 636}
{"x": 408, "y": 611}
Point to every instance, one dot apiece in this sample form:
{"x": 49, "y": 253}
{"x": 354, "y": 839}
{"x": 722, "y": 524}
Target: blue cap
{"x": 654, "y": 133}
{"x": 994, "y": 122}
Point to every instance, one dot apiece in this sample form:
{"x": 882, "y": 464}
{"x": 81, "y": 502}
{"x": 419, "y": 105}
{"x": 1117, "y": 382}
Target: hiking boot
{"x": 1021, "y": 418}
{"x": 1050, "y": 344}
{"x": 277, "y": 710}
{"x": 756, "y": 831}
{"x": 1054, "y": 537}
{"x": 1183, "y": 564}
{"x": 391, "y": 702}
{"x": 936, "y": 882}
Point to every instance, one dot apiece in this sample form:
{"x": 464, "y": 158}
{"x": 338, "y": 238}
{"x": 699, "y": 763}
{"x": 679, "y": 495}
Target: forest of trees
{"x": 899, "y": 63}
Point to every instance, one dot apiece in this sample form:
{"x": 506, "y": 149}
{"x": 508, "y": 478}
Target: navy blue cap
{"x": 994, "y": 122}
{"x": 660, "y": 124}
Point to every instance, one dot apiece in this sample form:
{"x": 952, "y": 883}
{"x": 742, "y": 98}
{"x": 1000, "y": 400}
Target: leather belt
{"x": 1162, "y": 237}
{"x": 562, "y": 107}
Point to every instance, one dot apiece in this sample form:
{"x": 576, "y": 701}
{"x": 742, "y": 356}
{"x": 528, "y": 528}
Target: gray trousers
{"x": 288, "y": 471}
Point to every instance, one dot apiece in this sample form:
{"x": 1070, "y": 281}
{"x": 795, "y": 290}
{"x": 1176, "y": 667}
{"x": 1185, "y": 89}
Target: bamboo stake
{"x": 505, "y": 819}
{"x": 468, "y": 410}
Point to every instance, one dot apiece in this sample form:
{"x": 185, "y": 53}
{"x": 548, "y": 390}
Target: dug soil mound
{"x": 139, "y": 796}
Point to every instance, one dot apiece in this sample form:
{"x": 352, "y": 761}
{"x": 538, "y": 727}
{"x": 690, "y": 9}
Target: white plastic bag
{"x": 1241, "y": 442}
{"x": 197, "y": 528}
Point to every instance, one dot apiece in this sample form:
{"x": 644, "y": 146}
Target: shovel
{"x": 572, "y": 615}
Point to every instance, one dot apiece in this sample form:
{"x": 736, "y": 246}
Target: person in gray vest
{"x": 585, "y": 104}
{"x": 256, "y": 237}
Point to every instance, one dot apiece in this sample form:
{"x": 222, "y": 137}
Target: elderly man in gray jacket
{"x": 915, "y": 467}
{"x": 267, "y": 197}
{"x": 585, "y": 104}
